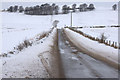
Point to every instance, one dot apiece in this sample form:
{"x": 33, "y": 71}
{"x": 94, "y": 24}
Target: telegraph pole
{"x": 71, "y": 19}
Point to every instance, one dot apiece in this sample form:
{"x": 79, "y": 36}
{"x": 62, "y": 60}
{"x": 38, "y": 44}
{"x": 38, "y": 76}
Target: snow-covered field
{"x": 16, "y": 27}
{"x": 111, "y": 33}
{"x": 28, "y": 64}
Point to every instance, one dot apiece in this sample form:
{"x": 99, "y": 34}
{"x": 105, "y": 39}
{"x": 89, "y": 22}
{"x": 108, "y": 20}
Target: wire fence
{"x": 110, "y": 43}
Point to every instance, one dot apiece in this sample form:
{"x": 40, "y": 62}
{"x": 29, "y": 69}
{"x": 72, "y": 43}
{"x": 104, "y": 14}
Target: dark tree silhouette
{"x": 21, "y": 9}
{"x": 83, "y": 7}
{"x": 26, "y": 11}
{"x": 15, "y": 8}
{"x": 91, "y": 7}
{"x": 65, "y": 9}
{"x": 56, "y": 9}
{"x": 74, "y": 7}
{"x": 10, "y": 9}
{"x": 114, "y": 6}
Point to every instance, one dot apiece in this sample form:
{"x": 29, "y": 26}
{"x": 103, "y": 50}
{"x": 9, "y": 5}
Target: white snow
{"x": 74, "y": 58}
{"x": 111, "y": 33}
{"x": 28, "y": 63}
{"x": 62, "y": 51}
{"x": 18, "y": 27}
{"x": 93, "y": 47}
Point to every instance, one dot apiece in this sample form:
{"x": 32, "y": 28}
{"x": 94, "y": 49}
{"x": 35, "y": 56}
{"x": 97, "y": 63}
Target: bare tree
{"x": 103, "y": 37}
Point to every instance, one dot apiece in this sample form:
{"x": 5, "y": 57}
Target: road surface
{"x": 79, "y": 65}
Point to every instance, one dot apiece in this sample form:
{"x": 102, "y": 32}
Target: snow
{"x": 74, "y": 58}
{"x": 62, "y": 51}
{"x": 27, "y": 26}
{"x": 111, "y": 33}
{"x": 93, "y": 48}
{"x": 28, "y": 63}
{"x": 18, "y": 27}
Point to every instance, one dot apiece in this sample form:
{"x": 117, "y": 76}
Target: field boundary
{"x": 106, "y": 42}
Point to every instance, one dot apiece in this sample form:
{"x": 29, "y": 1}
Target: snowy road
{"x": 79, "y": 65}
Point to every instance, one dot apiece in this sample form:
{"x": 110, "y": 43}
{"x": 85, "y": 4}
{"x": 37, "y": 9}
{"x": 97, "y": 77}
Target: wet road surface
{"x": 79, "y": 65}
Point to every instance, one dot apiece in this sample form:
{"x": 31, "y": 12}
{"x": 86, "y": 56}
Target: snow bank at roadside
{"x": 27, "y": 64}
{"x": 111, "y": 33}
{"x": 93, "y": 48}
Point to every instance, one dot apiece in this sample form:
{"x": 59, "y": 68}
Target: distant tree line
{"x": 44, "y": 9}
{"x": 82, "y": 8}
{"x": 47, "y": 9}
{"x": 15, "y": 9}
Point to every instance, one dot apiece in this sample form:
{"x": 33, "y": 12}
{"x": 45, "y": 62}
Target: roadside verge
{"x": 93, "y": 48}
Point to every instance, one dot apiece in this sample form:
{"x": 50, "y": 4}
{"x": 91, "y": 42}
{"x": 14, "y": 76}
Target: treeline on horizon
{"x": 47, "y": 9}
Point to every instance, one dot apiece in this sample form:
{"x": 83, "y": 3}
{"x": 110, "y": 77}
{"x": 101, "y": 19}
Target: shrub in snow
{"x": 4, "y": 55}
{"x": 27, "y": 43}
{"x": 102, "y": 38}
{"x": 11, "y": 52}
{"x": 20, "y": 47}
{"x": 42, "y": 35}
{"x": 23, "y": 45}
{"x": 114, "y": 6}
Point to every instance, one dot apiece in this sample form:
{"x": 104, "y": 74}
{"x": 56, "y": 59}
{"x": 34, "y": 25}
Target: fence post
{"x": 115, "y": 44}
{"x": 109, "y": 42}
{"x": 106, "y": 42}
{"x": 119, "y": 45}
{"x": 71, "y": 19}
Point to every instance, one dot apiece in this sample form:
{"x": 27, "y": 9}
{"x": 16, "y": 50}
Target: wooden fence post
{"x": 109, "y": 42}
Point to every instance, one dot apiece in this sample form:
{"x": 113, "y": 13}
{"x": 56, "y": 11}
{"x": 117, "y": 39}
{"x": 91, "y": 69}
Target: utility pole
{"x": 51, "y": 20}
{"x": 71, "y": 19}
